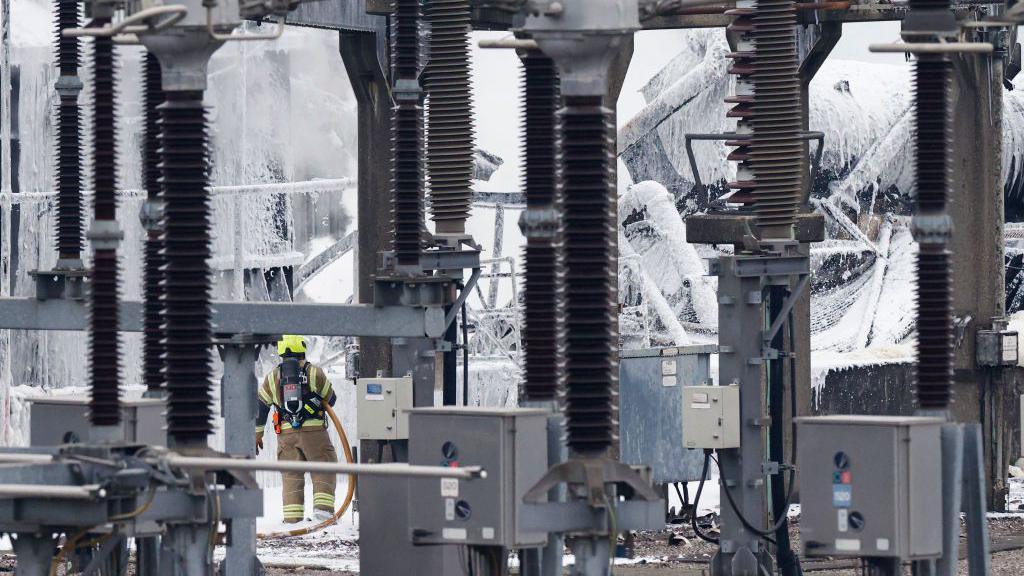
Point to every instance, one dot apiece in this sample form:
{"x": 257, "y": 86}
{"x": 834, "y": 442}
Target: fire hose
{"x": 348, "y": 496}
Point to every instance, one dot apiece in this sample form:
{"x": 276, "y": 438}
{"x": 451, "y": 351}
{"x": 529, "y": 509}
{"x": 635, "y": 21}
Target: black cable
{"x": 696, "y": 501}
{"x": 679, "y": 493}
{"x": 792, "y": 386}
{"x": 765, "y": 534}
{"x": 465, "y": 357}
{"x": 788, "y": 562}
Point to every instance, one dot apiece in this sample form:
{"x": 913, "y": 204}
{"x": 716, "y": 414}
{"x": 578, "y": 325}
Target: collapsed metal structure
{"x": 547, "y": 489}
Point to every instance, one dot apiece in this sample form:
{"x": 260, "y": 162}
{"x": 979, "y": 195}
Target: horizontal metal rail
{"x": 25, "y": 458}
{"x": 403, "y": 470}
{"x": 304, "y": 187}
{"x": 243, "y": 318}
{"x": 87, "y": 492}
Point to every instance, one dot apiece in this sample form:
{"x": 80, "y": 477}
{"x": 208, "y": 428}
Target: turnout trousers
{"x": 312, "y": 445}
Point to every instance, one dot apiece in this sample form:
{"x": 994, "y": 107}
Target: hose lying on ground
{"x": 348, "y": 496}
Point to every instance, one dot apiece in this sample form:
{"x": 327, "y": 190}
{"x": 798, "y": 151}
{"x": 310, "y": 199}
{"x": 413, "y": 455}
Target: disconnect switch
{"x": 711, "y": 417}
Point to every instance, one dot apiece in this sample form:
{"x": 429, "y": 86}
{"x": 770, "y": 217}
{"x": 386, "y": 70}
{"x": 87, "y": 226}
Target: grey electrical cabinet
{"x": 65, "y": 420}
{"x": 382, "y": 408}
{"x": 652, "y": 383}
{"x": 870, "y": 486}
{"x": 711, "y": 417}
{"x": 510, "y": 444}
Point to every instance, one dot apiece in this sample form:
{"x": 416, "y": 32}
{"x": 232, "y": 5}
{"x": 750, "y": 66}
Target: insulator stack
{"x": 767, "y": 110}
{"x": 933, "y": 76}
{"x": 589, "y": 261}
{"x": 187, "y": 272}
{"x": 449, "y": 115}
{"x": 153, "y": 346}
{"x": 69, "y": 156}
{"x": 407, "y": 139}
{"x": 104, "y": 347}
{"x": 539, "y": 222}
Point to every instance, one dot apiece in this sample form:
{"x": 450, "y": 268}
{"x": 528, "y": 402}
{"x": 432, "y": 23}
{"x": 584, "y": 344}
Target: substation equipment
{"x": 596, "y": 438}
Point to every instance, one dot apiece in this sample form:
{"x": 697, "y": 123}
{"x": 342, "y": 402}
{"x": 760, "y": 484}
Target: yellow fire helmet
{"x": 290, "y": 343}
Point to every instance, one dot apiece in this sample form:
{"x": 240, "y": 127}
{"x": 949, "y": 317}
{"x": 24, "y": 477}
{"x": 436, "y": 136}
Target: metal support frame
{"x": 34, "y": 551}
{"x": 238, "y": 405}
{"x": 271, "y": 318}
{"x": 547, "y": 561}
{"x": 742, "y": 280}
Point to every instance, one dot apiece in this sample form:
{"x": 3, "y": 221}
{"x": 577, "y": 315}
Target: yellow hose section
{"x": 348, "y": 496}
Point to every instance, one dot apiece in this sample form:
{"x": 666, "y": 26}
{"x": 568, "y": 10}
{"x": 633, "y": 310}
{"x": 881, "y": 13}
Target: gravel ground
{"x": 678, "y": 552}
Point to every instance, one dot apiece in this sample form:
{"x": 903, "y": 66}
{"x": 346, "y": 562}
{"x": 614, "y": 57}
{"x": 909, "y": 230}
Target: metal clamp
{"x": 539, "y": 222}
{"x": 104, "y": 234}
{"x": 932, "y": 228}
{"x": 407, "y": 89}
{"x": 69, "y": 86}
{"x": 151, "y": 214}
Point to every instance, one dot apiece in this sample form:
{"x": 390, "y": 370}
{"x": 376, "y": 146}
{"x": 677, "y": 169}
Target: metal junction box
{"x": 711, "y": 417}
{"x": 65, "y": 420}
{"x": 870, "y": 486}
{"x": 997, "y": 348}
{"x": 510, "y": 444}
{"x": 382, "y": 406}
{"x": 652, "y": 382}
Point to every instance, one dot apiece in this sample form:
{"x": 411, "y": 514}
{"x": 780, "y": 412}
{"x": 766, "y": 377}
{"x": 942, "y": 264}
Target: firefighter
{"x": 295, "y": 392}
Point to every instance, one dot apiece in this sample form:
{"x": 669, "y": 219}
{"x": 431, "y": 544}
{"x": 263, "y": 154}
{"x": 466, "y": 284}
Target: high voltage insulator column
{"x": 446, "y": 80}
{"x": 407, "y": 207}
{"x": 450, "y": 115}
{"x": 584, "y": 39}
{"x": 69, "y": 157}
{"x": 754, "y": 285}
{"x": 152, "y": 216}
{"x": 539, "y": 224}
{"x": 932, "y": 225}
{"x": 104, "y": 235}
{"x": 147, "y": 549}
{"x": 187, "y": 272}
{"x": 589, "y": 260}
{"x": 767, "y": 110}
{"x": 183, "y": 52}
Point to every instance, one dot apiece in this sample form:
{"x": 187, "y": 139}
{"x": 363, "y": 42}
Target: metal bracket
{"x": 461, "y": 299}
{"x": 62, "y": 283}
{"x": 439, "y": 260}
{"x": 112, "y": 543}
{"x": 786, "y": 307}
{"x": 569, "y": 517}
{"x": 593, "y": 474}
{"x": 771, "y": 266}
{"x": 815, "y": 163}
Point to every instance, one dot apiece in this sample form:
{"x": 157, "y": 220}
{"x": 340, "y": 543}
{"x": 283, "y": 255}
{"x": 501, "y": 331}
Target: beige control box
{"x": 711, "y": 417}
{"x": 382, "y": 408}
